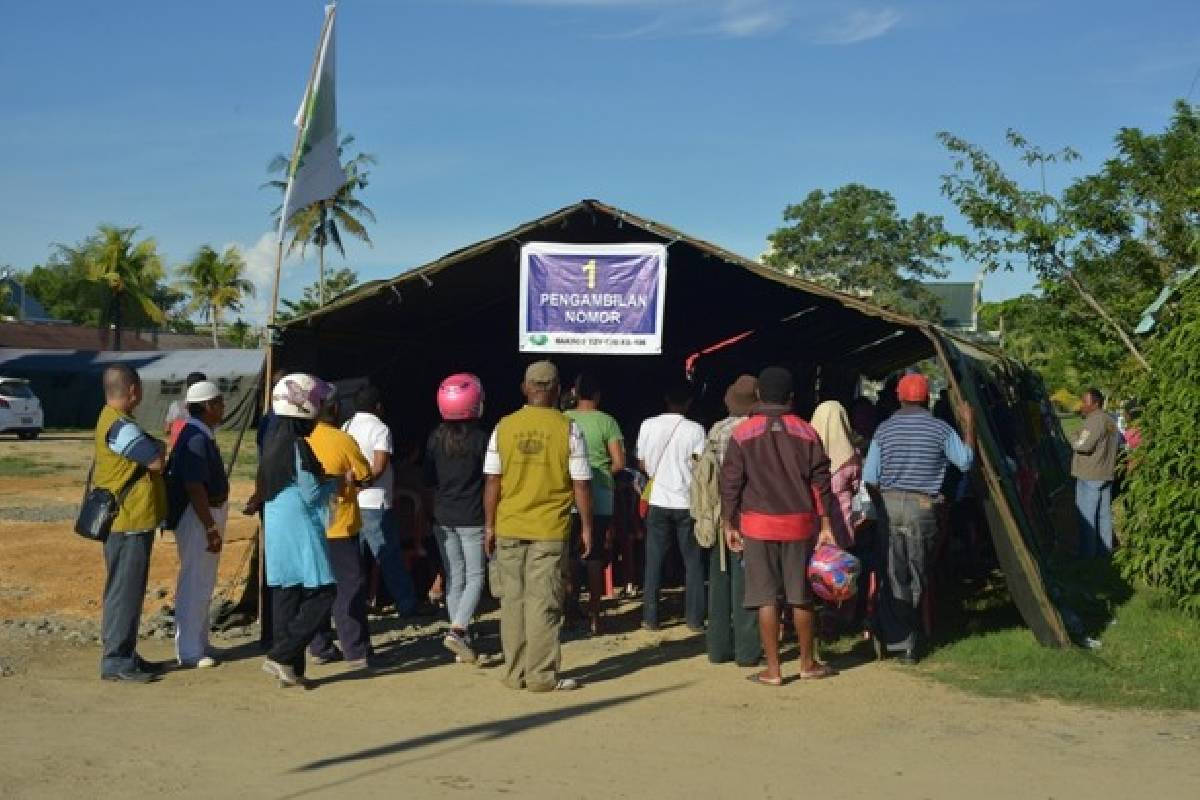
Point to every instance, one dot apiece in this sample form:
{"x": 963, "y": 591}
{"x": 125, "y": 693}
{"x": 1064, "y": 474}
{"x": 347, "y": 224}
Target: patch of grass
{"x": 24, "y": 467}
{"x": 1146, "y": 659}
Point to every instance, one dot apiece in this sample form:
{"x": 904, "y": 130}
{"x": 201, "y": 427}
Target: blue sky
{"x": 710, "y": 115}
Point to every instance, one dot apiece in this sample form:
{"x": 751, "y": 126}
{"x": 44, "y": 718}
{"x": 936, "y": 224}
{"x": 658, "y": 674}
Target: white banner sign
{"x": 592, "y": 298}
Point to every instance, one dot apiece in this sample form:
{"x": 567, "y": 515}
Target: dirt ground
{"x": 654, "y": 719}
{"x": 45, "y": 569}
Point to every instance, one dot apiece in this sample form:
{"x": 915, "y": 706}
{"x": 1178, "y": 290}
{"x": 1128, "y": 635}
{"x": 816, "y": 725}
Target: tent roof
{"x": 703, "y": 278}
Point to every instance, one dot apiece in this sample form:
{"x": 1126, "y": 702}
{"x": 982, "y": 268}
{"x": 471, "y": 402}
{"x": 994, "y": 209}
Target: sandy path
{"x": 654, "y": 721}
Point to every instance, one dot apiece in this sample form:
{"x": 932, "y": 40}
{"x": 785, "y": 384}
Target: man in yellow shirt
{"x": 340, "y": 456}
{"x": 129, "y": 463}
{"x": 536, "y": 468}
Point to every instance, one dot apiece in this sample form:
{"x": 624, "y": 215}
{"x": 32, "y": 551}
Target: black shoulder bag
{"x": 100, "y": 506}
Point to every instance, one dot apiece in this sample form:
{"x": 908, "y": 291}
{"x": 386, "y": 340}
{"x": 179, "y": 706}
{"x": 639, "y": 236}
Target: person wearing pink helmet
{"x": 454, "y": 469}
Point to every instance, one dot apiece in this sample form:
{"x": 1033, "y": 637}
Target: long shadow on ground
{"x": 465, "y": 735}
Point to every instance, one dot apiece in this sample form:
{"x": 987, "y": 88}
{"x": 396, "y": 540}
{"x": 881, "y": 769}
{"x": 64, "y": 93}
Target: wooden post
{"x": 264, "y": 614}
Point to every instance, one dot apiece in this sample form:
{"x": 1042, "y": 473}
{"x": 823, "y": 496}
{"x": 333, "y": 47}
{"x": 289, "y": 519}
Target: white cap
{"x": 202, "y": 392}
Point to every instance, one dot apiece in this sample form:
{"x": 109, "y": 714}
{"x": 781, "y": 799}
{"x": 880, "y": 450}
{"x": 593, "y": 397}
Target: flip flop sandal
{"x": 762, "y": 680}
{"x": 822, "y": 671}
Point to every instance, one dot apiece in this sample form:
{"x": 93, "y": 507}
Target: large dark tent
{"x": 724, "y": 315}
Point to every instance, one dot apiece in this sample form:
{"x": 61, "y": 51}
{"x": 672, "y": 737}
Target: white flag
{"x": 315, "y": 172}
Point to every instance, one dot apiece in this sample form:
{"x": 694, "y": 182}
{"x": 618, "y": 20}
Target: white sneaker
{"x": 455, "y": 643}
{"x": 283, "y": 673}
{"x": 205, "y": 662}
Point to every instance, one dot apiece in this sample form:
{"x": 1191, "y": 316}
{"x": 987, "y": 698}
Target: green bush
{"x": 1161, "y": 533}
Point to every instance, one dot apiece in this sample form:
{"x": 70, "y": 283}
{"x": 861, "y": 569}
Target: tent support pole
{"x": 991, "y": 477}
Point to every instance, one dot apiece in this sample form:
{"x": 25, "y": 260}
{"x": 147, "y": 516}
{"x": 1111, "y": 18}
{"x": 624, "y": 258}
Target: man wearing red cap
{"x": 907, "y": 464}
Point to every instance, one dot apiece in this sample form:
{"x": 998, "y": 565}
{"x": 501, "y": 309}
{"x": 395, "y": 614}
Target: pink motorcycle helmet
{"x": 460, "y": 398}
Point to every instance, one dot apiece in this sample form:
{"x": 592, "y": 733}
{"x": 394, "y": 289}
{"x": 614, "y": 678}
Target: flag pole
{"x": 264, "y": 613}
{"x": 312, "y": 76}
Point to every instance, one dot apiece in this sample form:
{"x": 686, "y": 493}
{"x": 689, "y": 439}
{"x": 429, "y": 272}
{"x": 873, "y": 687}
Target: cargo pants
{"x": 531, "y": 611}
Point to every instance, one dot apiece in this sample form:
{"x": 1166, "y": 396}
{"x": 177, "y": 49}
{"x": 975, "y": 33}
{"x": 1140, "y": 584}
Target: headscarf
{"x": 277, "y": 469}
{"x": 833, "y": 426}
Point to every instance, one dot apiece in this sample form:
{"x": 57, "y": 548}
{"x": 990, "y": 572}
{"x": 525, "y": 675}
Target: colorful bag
{"x": 644, "y": 499}
{"x": 833, "y": 574}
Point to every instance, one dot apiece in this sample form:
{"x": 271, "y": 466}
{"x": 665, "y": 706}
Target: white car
{"x": 20, "y": 409}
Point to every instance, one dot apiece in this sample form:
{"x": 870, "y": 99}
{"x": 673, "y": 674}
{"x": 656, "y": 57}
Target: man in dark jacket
{"x": 775, "y": 494}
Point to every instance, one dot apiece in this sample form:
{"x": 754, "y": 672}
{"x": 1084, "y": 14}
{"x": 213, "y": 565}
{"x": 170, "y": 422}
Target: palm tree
{"x": 215, "y": 283}
{"x": 122, "y": 276}
{"x": 323, "y": 222}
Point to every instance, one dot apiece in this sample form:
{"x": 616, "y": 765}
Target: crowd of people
{"x": 531, "y": 510}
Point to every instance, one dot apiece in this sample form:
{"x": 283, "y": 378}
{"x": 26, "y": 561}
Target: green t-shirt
{"x": 599, "y": 429}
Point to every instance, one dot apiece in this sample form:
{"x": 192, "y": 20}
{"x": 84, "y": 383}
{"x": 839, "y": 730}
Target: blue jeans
{"x": 378, "y": 534}
{"x": 462, "y": 556}
{"x": 1093, "y": 499}
{"x": 664, "y": 526}
{"x": 127, "y": 566}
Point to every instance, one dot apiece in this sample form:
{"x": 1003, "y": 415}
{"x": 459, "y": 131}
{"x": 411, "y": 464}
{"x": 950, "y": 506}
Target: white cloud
{"x": 860, "y": 25}
{"x": 260, "y": 269}
{"x": 821, "y": 21}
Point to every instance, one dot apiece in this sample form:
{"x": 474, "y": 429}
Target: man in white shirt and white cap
{"x": 197, "y": 484}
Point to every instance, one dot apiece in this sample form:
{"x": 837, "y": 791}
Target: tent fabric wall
{"x": 459, "y": 314}
{"x": 68, "y": 381}
{"x": 1017, "y": 535}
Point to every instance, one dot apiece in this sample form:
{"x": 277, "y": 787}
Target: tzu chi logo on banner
{"x": 592, "y": 298}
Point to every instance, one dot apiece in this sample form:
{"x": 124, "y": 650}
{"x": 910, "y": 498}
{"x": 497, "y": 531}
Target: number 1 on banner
{"x": 590, "y": 270}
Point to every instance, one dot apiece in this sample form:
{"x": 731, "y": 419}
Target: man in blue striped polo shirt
{"x": 907, "y": 464}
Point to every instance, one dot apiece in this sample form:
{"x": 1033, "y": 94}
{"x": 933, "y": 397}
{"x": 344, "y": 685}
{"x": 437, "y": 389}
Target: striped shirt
{"x": 911, "y": 450}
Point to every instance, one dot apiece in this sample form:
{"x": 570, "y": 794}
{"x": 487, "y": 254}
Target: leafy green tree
{"x": 116, "y": 276}
{"x": 174, "y": 304}
{"x": 60, "y": 286}
{"x": 336, "y": 284}
{"x": 215, "y": 283}
{"x": 854, "y": 240}
{"x": 7, "y": 307}
{"x": 1161, "y": 530}
{"x": 1059, "y": 238}
{"x": 324, "y": 222}
{"x": 1056, "y": 338}
{"x": 241, "y": 335}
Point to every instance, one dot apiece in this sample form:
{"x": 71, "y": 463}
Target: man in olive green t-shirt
{"x": 536, "y": 467}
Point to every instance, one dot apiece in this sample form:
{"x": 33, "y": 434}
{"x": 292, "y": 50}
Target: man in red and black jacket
{"x": 774, "y": 500}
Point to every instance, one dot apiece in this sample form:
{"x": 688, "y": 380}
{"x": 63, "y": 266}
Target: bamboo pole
{"x": 269, "y": 366}
{"x": 312, "y": 76}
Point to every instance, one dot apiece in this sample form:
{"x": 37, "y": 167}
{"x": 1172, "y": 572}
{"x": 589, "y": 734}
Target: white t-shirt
{"x": 372, "y": 435}
{"x": 668, "y": 445}
{"x": 175, "y": 411}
